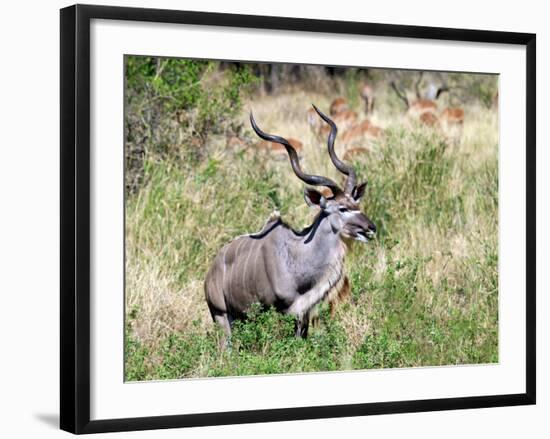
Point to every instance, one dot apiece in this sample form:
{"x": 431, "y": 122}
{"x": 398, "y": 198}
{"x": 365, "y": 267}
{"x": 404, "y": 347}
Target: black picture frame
{"x": 75, "y": 217}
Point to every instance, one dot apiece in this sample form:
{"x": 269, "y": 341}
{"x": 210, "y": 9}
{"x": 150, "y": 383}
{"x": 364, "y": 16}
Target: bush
{"x": 174, "y": 105}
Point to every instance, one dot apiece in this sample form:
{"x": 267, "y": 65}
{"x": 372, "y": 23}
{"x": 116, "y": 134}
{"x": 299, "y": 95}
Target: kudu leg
{"x": 224, "y": 320}
{"x": 302, "y": 326}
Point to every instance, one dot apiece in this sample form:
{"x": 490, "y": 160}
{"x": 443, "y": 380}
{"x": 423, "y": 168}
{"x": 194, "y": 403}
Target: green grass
{"x": 424, "y": 293}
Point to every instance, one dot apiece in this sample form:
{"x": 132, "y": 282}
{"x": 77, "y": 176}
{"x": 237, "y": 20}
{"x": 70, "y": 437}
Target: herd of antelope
{"x": 359, "y": 133}
{"x": 356, "y": 134}
{"x": 425, "y": 110}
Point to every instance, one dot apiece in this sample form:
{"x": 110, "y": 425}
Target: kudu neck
{"x": 321, "y": 236}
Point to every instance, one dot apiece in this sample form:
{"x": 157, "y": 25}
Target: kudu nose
{"x": 372, "y": 228}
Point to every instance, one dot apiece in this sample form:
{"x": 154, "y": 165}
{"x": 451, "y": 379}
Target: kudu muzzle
{"x": 360, "y": 227}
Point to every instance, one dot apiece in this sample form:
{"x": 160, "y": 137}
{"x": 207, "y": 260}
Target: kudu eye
{"x": 343, "y": 209}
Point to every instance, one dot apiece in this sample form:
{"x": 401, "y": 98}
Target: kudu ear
{"x": 314, "y": 198}
{"x": 359, "y": 191}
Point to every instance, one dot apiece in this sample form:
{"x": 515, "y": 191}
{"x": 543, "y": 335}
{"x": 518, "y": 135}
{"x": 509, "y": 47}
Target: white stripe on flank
{"x": 233, "y": 264}
{"x": 223, "y": 276}
{"x": 245, "y": 265}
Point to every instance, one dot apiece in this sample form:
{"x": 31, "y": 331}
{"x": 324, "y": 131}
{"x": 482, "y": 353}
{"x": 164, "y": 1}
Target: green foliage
{"x": 480, "y": 88}
{"x": 352, "y": 82}
{"x": 264, "y": 343}
{"x": 409, "y": 182}
{"x": 138, "y": 360}
{"x": 176, "y": 82}
{"x": 409, "y": 332}
{"x": 174, "y": 105}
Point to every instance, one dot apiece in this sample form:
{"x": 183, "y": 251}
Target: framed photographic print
{"x": 268, "y": 218}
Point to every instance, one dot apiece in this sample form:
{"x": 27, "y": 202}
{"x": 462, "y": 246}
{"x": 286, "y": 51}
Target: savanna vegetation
{"x": 423, "y": 293}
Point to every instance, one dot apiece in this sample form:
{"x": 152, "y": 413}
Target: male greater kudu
{"x": 291, "y": 270}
